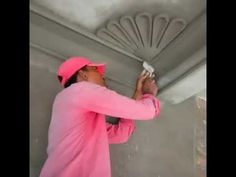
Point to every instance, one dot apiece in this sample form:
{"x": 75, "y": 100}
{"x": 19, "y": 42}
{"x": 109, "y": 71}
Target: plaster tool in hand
{"x": 148, "y": 68}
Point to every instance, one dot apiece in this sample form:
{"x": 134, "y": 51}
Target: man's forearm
{"x": 137, "y": 95}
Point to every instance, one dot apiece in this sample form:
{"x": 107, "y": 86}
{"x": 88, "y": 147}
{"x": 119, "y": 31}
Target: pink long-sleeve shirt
{"x": 79, "y": 137}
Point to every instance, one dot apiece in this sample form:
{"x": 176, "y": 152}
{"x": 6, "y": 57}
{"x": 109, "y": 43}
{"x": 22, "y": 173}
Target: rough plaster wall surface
{"x": 43, "y": 88}
{"x": 161, "y": 147}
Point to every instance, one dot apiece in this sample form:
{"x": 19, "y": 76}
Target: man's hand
{"x": 140, "y": 81}
{"x": 139, "y": 85}
{"x": 149, "y": 86}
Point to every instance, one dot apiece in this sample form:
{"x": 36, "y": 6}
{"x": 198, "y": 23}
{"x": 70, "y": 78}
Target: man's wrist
{"x": 137, "y": 94}
{"x": 139, "y": 91}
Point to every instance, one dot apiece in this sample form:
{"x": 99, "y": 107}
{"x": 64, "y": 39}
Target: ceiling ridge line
{"x": 57, "y": 55}
{"x": 48, "y": 51}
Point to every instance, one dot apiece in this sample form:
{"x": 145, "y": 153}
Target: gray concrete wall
{"x": 161, "y": 147}
{"x": 43, "y": 88}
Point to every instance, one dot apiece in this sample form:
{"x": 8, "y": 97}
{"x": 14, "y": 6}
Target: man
{"x": 79, "y": 137}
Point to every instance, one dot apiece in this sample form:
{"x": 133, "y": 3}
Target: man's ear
{"x": 82, "y": 75}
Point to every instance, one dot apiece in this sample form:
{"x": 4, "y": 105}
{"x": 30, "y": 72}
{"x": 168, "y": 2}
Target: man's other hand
{"x": 149, "y": 86}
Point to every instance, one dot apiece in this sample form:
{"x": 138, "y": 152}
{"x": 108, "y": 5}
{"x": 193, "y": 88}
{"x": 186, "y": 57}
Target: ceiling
{"x": 169, "y": 34}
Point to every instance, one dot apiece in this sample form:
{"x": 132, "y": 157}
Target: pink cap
{"x": 73, "y": 64}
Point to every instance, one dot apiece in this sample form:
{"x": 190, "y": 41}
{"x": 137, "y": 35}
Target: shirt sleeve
{"x": 108, "y": 102}
{"x": 121, "y": 132}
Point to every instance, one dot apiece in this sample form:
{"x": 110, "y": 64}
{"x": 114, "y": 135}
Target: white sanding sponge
{"x": 148, "y": 68}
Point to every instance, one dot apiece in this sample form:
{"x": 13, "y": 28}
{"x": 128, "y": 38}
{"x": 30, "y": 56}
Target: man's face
{"x": 94, "y": 76}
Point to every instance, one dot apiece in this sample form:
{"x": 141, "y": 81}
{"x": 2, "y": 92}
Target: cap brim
{"x": 101, "y": 67}
{"x": 96, "y": 64}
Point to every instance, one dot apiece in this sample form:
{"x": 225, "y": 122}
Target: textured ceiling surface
{"x": 91, "y": 14}
{"x": 169, "y": 34}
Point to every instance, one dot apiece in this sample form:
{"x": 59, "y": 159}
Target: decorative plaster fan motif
{"x": 145, "y": 35}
